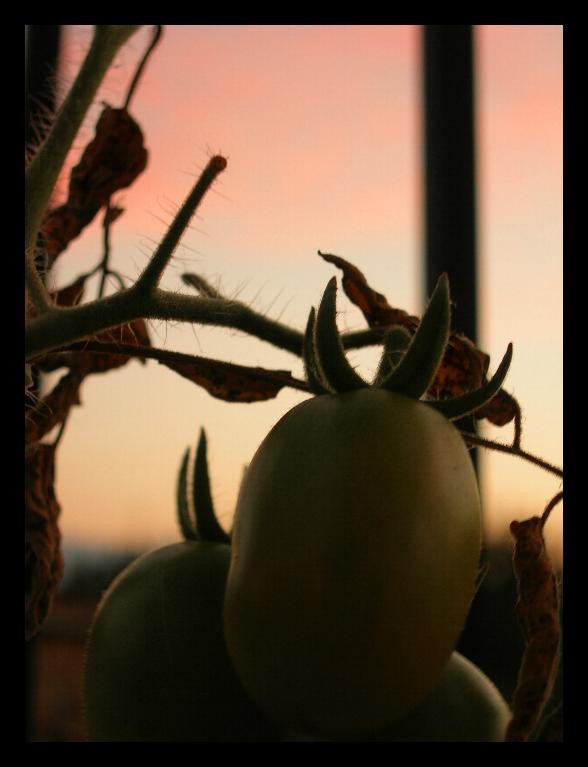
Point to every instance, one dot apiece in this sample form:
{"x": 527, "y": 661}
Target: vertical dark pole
{"x": 450, "y": 184}
{"x": 41, "y": 60}
{"x": 450, "y": 168}
{"x": 450, "y": 199}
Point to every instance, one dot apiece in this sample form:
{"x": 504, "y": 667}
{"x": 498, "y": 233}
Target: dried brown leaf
{"x": 464, "y": 367}
{"x": 86, "y": 358}
{"x": 43, "y": 556}
{"x": 134, "y": 333}
{"x": 53, "y": 408}
{"x": 538, "y": 610}
{"x": 111, "y": 161}
{"x": 234, "y": 383}
{"x": 501, "y": 409}
{"x": 72, "y": 294}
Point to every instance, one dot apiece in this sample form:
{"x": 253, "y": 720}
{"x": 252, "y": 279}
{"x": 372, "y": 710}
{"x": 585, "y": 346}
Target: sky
{"x": 321, "y": 126}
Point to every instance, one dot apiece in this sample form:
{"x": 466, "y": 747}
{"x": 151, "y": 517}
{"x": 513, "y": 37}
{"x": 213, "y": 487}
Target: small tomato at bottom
{"x": 464, "y": 707}
{"x": 156, "y": 665}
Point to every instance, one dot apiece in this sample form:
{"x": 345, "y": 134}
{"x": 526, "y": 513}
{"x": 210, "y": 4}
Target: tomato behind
{"x": 157, "y": 668}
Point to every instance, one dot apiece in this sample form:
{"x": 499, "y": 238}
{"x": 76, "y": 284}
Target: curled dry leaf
{"x": 234, "y": 383}
{"x": 464, "y": 366}
{"x": 538, "y": 610}
{"x": 111, "y": 161}
{"x": 43, "y": 556}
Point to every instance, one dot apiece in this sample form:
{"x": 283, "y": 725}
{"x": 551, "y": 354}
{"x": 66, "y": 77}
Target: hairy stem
{"x": 473, "y": 439}
{"x": 151, "y": 275}
{"x": 43, "y": 171}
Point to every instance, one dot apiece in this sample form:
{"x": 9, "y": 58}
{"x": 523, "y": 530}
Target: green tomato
{"x": 464, "y": 707}
{"x": 157, "y": 667}
{"x": 355, "y": 551}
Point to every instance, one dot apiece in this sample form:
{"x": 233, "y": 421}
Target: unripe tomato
{"x": 157, "y": 667}
{"x": 464, "y": 707}
{"x": 355, "y": 551}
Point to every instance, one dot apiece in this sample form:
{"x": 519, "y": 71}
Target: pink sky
{"x": 321, "y": 127}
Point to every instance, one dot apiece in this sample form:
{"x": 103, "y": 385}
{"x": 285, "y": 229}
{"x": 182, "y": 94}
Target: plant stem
{"x": 133, "y": 86}
{"x": 222, "y": 312}
{"x": 106, "y": 246}
{"x": 151, "y": 275}
{"x": 43, "y": 171}
{"x": 473, "y": 439}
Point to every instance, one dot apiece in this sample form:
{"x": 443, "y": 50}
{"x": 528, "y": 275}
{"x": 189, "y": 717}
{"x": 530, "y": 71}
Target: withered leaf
{"x": 43, "y": 555}
{"x": 86, "y": 358}
{"x": 112, "y": 213}
{"x": 501, "y": 409}
{"x": 373, "y": 305}
{"x": 132, "y": 334}
{"x": 71, "y": 294}
{"x": 464, "y": 367}
{"x": 234, "y": 383}
{"x": 224, "y": 380}
{"x": 61, "y": 226}
{"x": 53, "y": 408}
{"x": 111, "y": 161}
{"x": 538, "y": 610}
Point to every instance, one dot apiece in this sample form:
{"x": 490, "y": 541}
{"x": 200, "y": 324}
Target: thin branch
{"x": 201, "y": 285}
{"x": 141, "y": 67}
{"x": 473, "y": 439}
{"x": 223, "y": 312}
{"x": 518, "y": 426}
{"x": 152, "y": 273}
{"x": 106, "y": 245}
{"x": 551, "y": 505}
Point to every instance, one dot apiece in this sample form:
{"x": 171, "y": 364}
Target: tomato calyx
{"x": 196, "y": 514}
{"x": 408, "y": 366}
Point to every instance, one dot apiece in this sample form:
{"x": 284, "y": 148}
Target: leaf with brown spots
{"x": 111, "y": 161}
{"x": 538, "y": 610}
{"x": 464, "y": 367}
{"x": 43, "y": 556}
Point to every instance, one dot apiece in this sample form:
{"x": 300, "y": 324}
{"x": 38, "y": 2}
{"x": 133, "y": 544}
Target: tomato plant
{"x": 157, "y": 667}
{"x": 356, "y": 540}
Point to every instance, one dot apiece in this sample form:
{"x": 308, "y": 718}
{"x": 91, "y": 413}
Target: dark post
{"x": 450, "y": 216}
{"x": 450, "y": 213}
{"x": 450, "y": 184}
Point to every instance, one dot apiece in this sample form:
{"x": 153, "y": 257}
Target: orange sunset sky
{"x": 321, "y": 126}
